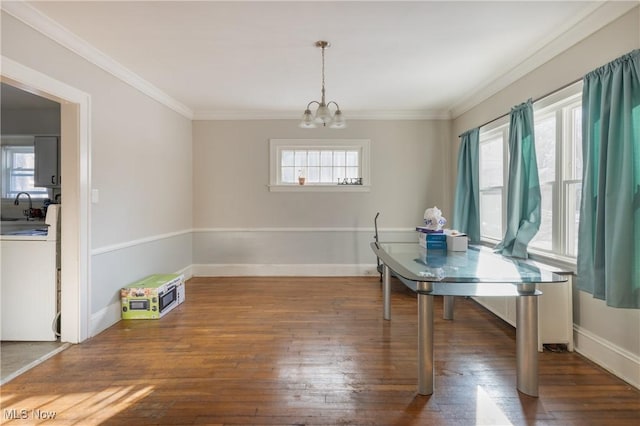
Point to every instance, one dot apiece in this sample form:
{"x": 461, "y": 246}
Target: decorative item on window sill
{"x": 323, "y": 114}
{"x": 350, "y": 181}
{"x": 301, "y": 177}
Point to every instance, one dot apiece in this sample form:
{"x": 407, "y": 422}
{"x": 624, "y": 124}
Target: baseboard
{"x": 272, "y": 270}
{"x": 187, "y": 271}
{"x": 104, "y": 318}
{"x": 612, "y": 358}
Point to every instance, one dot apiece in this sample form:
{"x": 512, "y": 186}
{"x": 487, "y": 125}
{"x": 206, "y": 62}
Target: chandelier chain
{"x": 323, "y": 75}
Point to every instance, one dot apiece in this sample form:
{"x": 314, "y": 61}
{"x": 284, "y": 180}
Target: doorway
{"x": 75, "y": 170}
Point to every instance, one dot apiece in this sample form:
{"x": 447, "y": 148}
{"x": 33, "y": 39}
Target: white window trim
{"x": 557, "y": 104}
{"x": 278, "y": 145}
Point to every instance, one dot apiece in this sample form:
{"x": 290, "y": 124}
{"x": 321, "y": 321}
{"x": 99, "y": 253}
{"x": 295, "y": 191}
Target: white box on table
{"x": 457, "y": 242}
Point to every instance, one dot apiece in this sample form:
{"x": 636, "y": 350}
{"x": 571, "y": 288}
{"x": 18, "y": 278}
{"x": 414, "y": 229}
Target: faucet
{"x": 27, "y": 213}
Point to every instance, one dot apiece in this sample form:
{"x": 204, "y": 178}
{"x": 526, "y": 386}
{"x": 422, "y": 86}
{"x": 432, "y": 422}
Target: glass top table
{"x": 476, "y": 265}
{"x": 475, "y": 272}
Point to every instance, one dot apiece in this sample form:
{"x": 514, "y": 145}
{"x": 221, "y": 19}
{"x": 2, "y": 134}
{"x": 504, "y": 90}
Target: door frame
{"x": 75, "y": 219}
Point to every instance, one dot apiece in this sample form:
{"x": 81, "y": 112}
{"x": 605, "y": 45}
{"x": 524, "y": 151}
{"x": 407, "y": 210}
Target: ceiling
{"x": 257, "y": 59}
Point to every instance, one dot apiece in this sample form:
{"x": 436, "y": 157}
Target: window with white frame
{"x": 18, "y": 167}
{"x": 492, "y": 184}
{"x": 319, "y": 164}
{"x": 558, "y": 137}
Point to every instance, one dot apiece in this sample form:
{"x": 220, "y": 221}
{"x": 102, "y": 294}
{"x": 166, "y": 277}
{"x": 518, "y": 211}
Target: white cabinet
{"x": 47, "y": 159}
{"x": 28, "y": 290}
{"x": 555, "y": 312}
{"x": 28, "y": 284}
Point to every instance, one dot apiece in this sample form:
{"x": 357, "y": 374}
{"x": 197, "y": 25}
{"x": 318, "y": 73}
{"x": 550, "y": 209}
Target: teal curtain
{"x": 609, "y": 231}
{"x": 466, "y": 210}
{"x": 523, "y": 187}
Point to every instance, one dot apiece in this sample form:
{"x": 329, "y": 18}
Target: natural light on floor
{"x": 487, "y": 411}
{"x": 87, "y": 408}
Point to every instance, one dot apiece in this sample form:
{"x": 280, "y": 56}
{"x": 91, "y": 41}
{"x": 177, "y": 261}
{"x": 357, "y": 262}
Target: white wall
{"x": 609, "y": 336}
{"x": 238, "y": 221}
{"x": 140, "y": 163}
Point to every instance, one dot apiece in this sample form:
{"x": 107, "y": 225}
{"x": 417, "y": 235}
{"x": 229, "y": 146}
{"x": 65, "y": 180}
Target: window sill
{"x": 563, "y": 263}
{"x": 319, "y": 188}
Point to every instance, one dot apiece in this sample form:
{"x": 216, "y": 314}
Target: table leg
{"x": 449, "y": 304}
{"x": 527, "y": 344}
{"x": 425, "y": 344}
{"x": 386, "y": 292}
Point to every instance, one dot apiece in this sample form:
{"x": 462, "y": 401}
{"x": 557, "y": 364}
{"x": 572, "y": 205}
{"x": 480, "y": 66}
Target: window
{"x": 558, "y": 124}
{"x": 493, "y": 166}
{"x": 319, "y": 165}
{"x": 18, "y": 167}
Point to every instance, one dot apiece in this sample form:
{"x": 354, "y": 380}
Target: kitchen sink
{"x": 33, "y": 232}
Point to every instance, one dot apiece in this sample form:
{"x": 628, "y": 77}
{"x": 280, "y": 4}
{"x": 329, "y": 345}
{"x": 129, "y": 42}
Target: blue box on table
{"x": 429, "y": 239}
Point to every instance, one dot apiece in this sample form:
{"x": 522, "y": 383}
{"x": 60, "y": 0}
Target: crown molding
{"x": 398, "y": 115}
{"x": 591, "y": 20}
{"x": 232, "y": 115}
{"x": 56, "y": 32}
{"x": 296, "y": 115}
{"x": 61, "y": 35}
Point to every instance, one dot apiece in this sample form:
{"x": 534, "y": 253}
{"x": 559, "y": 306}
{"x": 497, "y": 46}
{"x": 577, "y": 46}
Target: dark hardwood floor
{"x": 298, "y": 351}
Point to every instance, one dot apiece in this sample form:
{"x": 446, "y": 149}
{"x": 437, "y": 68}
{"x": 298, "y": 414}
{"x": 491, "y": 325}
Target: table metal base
{"x": 386, "y": 292}
{"x": 425, "y": 344}
{"x": 527, "y": 344}
{"x": 449, "y": 304}
{"x": 526, "y": 336}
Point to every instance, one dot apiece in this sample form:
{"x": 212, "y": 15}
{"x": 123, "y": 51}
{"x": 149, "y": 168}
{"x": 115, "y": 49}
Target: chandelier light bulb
{"x": 338, "y": 121}
{"x": 307, "y": 120}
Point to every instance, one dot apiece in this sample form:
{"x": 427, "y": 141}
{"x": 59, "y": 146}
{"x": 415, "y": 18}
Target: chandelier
{"x": 323, "y": 114}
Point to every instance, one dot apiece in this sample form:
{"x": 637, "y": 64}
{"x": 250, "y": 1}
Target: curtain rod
{"x": 535, "y": 100}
